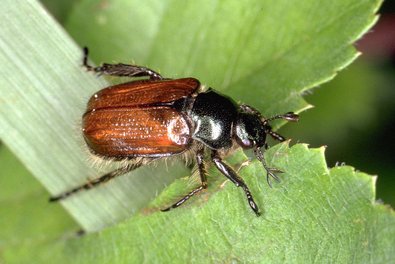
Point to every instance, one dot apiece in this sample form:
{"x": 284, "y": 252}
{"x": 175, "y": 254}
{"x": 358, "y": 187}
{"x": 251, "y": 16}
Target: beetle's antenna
{"x": 290, "y": 116}
{"x": 275, "y": 135}
{"x": 270, "y": 171}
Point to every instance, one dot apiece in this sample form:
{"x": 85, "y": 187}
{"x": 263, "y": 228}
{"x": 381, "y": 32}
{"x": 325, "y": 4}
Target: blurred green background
{"x": 359, "y": 133}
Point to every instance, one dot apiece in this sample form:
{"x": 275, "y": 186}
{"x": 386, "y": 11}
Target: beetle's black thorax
{"x": 213, "y": 116}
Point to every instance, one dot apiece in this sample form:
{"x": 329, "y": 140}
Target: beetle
{"x": 153, "y": 118}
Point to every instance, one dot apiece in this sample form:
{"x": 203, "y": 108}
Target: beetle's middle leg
{"x": 203, "y": 178}
{"x": 120, "y": 69}
{"x": 102, "y": 179}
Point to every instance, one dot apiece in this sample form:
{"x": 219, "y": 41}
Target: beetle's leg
{"x": 232, "y": 175}
{"x": 92, "y": 183}
{"x": 249, "y": 109}
{"x": 203, "y": 178}
{"x": 270, "y": 171}
{"x": 121, "y": 69}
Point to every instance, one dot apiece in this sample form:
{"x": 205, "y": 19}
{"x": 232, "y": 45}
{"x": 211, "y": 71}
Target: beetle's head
{"x": 250, "y": 131}
{"x": 250, "y": 128}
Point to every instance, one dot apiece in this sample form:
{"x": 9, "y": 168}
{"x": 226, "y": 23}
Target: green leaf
{"x": 27, "y": 220}
{"x": 313, "y": 215}
{"x": 42, "y": 98}
{"x": 263, "y": 53}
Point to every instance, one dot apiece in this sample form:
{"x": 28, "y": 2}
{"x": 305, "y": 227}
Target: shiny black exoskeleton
{"x": 213, "y": 116}
{"x": 200, "y": 120}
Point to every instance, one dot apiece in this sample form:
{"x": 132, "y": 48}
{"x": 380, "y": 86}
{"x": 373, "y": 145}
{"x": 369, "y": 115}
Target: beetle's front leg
{"x": 232, "y": 175}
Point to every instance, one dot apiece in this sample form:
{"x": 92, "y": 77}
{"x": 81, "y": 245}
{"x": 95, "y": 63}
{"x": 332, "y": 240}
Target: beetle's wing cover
{"x": 133, "y": 120}
{"x": 138, "y": 132}
{"x": 143, "y": 93}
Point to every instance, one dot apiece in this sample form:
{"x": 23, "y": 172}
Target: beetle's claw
{"x": 271, "y": 173}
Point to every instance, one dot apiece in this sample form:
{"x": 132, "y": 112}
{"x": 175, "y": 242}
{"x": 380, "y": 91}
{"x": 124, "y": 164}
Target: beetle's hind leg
{"x": 93, "y": 183}
{"x": 120, "y": 69}
{"x": 203, "y": 178}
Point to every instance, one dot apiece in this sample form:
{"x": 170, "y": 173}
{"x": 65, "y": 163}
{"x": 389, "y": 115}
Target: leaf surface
{"x": 265, "y": 54}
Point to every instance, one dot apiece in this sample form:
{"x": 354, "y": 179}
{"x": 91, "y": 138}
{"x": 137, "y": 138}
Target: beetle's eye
{"x": 245, "y": 130}
{"x": 242, "y": 138}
